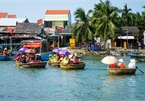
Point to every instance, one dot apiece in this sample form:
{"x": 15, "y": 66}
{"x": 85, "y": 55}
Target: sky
{"x": 35, "y": 9}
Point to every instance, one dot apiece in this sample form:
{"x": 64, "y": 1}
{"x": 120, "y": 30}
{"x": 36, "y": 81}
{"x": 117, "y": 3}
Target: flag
{"x": 11, "y": 31}
{"x": 60, "y": 29}
{"x": 39, "y": 21}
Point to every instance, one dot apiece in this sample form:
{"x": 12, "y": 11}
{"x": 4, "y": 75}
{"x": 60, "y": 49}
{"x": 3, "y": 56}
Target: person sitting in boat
{"x": 24, "y": 59}
{"x": 18, "y": 58}
{"x": 113, "y": 65}
{"x": 57, "y": 56}
{"x": 38, "y": 58}
{"x": 5, "y": 52}
{"x": 65, "y": 60}
{"x": 132, "y": 63}
{"x": 61, "y": 58}
{"x": 50, "y": 58}
{"x": 27, "y": 58}
{"x": 32, "y": 58}
{"x": 76, "y": 59}
{"x": 121, "y": 64}
{"x": 54, "y": 58}
{"x": 70, "y": 59}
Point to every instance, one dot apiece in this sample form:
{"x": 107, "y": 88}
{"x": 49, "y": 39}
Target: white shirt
{"x": 131, "y": 65}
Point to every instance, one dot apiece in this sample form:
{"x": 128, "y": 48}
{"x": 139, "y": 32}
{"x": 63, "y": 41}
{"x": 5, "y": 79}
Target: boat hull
{"x": 55, "y": 64}
{"x": 81, "y": 65}
{"x": 138, "y": 57}
{"x": 34, "y": 65}
{"x": 120, "y": 71}
{"x": 2, "y": 58}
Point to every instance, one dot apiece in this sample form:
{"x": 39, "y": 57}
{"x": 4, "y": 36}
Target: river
{"x": 94, "y": 83}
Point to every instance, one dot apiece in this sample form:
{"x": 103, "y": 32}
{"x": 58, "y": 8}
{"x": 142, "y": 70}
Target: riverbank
{"x": 116, "y": 52}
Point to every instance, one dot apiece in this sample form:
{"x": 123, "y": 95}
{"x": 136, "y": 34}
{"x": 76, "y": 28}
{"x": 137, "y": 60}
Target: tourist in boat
{"x": 24, "y": 59}
{"x": 132, "y": 63}
{"x": 70, "y": 59}
{"x": 61, "y": 58}
{"x": 5, "y": 52}
{"x": 54, "y": 58}
{"x": 121, "y": 64}
{"x": 32, "y": 58}
{"x": 57, "y": 56}
{"x": 18, "y": 58}
{"x": 76, "y": 59}
{"x": 38, "y": 58}
{"x": 113, "y": 65}
{"x": 65, "y": 60}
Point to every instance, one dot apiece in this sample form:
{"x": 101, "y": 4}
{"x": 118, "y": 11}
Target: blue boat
{"x": 45, "y": 56}
{"x": 138, "y": 57}
{"x": 2, "y": 58}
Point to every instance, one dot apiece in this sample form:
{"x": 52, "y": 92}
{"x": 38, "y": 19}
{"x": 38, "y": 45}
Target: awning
{"x": 126, "y": 37}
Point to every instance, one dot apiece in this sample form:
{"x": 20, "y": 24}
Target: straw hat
{"x": 132, "y": 60}
{"x": 120, "y": 60}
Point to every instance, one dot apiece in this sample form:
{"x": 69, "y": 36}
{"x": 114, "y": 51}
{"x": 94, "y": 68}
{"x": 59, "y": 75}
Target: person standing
{"x": 132, "y": 63}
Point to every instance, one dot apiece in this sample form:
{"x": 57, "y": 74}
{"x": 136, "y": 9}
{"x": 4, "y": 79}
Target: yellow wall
{"x": 57, "y": 23}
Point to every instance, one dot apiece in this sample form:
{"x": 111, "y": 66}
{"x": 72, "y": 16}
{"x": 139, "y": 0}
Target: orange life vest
{"x": 114, "y": 65}
{"x": 122, "y": 65}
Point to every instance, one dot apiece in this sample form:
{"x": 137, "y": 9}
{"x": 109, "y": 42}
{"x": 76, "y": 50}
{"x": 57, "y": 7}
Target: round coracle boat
{"x": 122, "y": 71}
{"x": 55, "y": 64}
{"x": 34, "y": 65}
{"x": 80, "y": 65}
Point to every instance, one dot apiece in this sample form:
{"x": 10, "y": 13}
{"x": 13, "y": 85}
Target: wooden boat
{"x": 55, "y": 64}
{"x": 122, "y": 71}
{"x": 80, "y": 65}
{"x": 34, "y": 65}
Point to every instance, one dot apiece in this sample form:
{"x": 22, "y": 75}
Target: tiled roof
{"x": 3, "y": 14}
{"x": 49, "y": 12}
{"x": 11, "y": 15}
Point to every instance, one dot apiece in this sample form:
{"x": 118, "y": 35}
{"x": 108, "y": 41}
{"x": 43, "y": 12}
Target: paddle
{"x": 140, "y": 70}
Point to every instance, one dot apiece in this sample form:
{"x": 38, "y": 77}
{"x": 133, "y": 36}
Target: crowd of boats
{"x": 62, "y": 58}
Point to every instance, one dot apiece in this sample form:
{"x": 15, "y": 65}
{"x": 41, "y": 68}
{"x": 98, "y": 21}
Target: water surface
{"x": 94, "y": 83}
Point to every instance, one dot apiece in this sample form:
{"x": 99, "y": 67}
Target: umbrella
{"x": 109, "y": 60}
{"x": 64, "y": 52}
{"x": 23, "y": 49}
{"x": 30, "y": 51}
{"x": 56, "y": 50}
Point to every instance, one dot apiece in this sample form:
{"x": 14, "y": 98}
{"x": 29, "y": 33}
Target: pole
{"x": 10, "y": 44}
{"x": 127, "y": 37}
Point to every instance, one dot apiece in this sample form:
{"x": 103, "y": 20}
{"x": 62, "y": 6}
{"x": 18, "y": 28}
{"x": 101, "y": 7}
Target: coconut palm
{"x": 81, "y": 30}
{"x": 128, "y": 18}
{"x": 106, "y": 18}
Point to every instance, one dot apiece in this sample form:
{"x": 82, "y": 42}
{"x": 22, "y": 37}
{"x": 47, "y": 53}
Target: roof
{"x": 49, "y": 12}
{"x": 130, "y": 30}
{"x": 28, "y": 28}
{"x": 11, "y": 15}
{"x": 12, "y": 22}
{"x": 3, "y": 14}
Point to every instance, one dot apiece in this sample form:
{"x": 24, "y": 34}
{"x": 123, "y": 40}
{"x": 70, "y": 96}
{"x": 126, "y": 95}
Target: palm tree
{"x": 140, "y": 23}
{"x": 106, "y": 19}
{"x": 81, "y": 30}
{"x": 127, "y": 18}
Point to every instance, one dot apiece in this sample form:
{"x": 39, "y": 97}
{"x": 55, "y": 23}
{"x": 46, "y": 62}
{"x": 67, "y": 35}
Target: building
{"x": 59, "y": 18}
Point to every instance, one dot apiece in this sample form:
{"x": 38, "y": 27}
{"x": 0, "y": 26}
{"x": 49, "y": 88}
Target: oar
{"x": 140, "y": 70}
